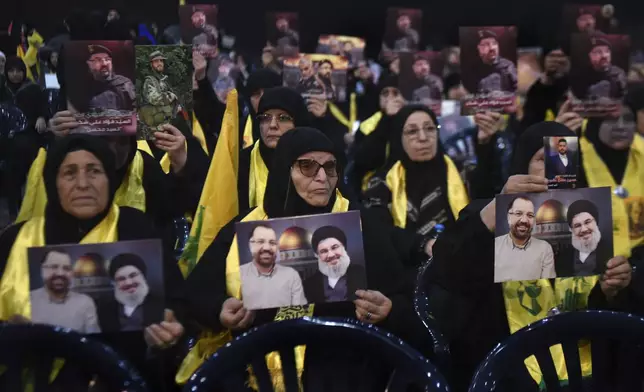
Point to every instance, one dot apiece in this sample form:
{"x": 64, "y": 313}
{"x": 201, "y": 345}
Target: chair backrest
{"x": 566, "y": 329}
{"x": 35, "y": 347}
{"x": 227, "y": 366}
{"x": 424, "y": 310}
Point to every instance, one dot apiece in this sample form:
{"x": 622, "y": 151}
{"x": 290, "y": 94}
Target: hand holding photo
{"x": 97, "y": 288}
{"x": 489, "y": 72}
{"x": 297, "y": 261}
{"x": 556, "y": 234}
{"x": 100, "y": 91}
{"x": 561, "y": 155}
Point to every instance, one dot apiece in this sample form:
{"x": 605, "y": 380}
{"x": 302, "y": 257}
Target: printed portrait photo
{"x": 598, "y": 73}
{"x": 283, "y": 33}
{"x": 351, "y": 48}
{"x": 198, "y": 24}
{"x": 297, "y": 261}
{"x": 99, "y": 76}
{"x": 586, "y": 19}
{"x": 561, "y": 156}
{"x": 97, "y": 288}
{"x": 163, "y": 86}
{"x": 458, "y": 137}
{"x": 317, "y": 75}
{"x": 556, "y": 234}
{"x": 489, "y": 72}
{"x": 402, "y": 31}
{"x": 420, "y": 78}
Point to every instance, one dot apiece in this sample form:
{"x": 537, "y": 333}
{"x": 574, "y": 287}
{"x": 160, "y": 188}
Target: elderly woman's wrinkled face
{"x": 82, "y": 184}
{"x": 315, "y": 176}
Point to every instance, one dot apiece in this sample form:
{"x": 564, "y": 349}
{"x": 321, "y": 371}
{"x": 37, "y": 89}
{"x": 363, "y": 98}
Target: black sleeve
{"x": 539, "y": 99}
{"x": 209, "y": 110}
{"x": 206, "y": 284}
{"x": 464, "y": 254}
{"x": 371, "y": 154}
{"x": 485, "y": 179}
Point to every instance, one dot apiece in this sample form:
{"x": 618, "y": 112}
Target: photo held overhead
{"x": 351, "y": 48}
{"x": 317, "y": 75}
{"x": 283, "y": 33}
{"x": 420, "y": 78}
{"x": 100, "y": 92}
{"x": 489, "y": 72}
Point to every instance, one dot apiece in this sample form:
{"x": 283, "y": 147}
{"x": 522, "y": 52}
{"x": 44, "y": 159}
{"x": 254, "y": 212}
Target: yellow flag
{"x": 218, "y": 203}
{"x": 182, "y": 2}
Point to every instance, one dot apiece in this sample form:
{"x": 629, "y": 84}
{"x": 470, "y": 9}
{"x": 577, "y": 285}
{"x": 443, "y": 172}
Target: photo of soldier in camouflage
{"x": 99, "y": 84}
{"x": 163, "y": 86}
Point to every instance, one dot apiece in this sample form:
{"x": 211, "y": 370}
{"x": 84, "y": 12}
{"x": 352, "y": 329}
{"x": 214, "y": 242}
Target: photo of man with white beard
{"x": 589, "y": 253}
{"x": 337, "y": 278}
{"x": 132, "y": 308}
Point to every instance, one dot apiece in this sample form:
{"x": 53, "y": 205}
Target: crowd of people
{"x": 296, "y": 157}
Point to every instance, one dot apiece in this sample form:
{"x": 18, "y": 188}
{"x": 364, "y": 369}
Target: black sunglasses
{"x": 310, "y": 168}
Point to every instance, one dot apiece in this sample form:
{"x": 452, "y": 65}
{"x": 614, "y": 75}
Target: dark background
{"x": 363, "y": 18}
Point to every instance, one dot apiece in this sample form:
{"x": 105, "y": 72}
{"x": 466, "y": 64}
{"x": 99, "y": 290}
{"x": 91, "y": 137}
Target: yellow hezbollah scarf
{"x": 456, "y": 192}
{"x": 342, "y": 119}
{"x": 130, "y": 194}
{"x": 628, "y": 212}
{"x": 14, "y": 286}
{"x": 248, "y": 132}
{"x": 527, "y": 302}
{"x": 30, "y": 57}
{"x": 257, "y": 177}
{"x": 210, "y": 343}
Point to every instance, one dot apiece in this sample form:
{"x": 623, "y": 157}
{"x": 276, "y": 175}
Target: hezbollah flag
{"x": 218, "y": 204}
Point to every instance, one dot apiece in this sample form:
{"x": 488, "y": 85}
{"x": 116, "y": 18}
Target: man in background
{"x": 427, "y": 87}
{"x": 518, "y": 255}
{"x": 265, "y": 283}
{"x": 325, "y": 70}
{"x": 337, "y": 279}
{"x": 55, "y": 303}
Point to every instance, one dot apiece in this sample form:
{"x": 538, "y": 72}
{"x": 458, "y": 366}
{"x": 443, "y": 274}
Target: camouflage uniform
{"x": 159, "y": 103}
{"x": 500, "y": 76}
{"x": 117, "y": 94}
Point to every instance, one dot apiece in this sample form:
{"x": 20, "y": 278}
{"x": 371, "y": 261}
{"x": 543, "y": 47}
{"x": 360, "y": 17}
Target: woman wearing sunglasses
{"x": 303, "y": 181}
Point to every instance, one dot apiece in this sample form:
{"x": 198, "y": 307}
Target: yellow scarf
{"x": 257, "y": 177}
{"x": 248, "y": 132}
{"x": 368, "y": 125}
{"x": 456, "y": 192}
{"x": 210, "y": 343}
{"x": 14, "y": 286}
{"x": 628, "y": 213}
{"x": 342, "y": 119}
{"x": 30, "y": 57}
{"x": 530, "y": 301}
{"x": 130, "y": 194}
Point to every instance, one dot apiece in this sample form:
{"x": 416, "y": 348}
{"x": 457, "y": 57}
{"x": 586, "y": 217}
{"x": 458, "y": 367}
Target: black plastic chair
{"x": 225, "y": 370}
{"x": 423, "y": 308}
{"x": 34, "y": 347}
{"x": 566, "y": 329}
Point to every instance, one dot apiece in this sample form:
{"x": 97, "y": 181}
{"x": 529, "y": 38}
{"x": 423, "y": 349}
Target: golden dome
{"x": 294, "y": 238}
{"x": 551, "y": 211}
{"x": 88, "y": 265}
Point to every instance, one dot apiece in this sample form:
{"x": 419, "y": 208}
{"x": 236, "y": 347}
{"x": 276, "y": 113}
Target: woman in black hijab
{"x": 23, "y": 148}
{"x": 289, "y": 192}
{"x": 80, "y": 181}
{"x": 463, "y": 266}
{"x": 280, "y": 109}
{"x": 421, "y": 187}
